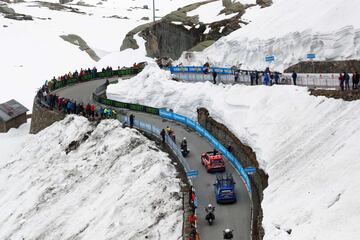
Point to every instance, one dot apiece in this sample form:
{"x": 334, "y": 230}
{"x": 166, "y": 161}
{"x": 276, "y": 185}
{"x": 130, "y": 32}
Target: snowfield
{"x": 32, "y": 51}
{"x": 115, "y": 185}
{"x": 308, "y": 145}
{"x": 289, "y": 29}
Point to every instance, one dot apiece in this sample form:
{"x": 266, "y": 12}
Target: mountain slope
{"x": 289, "y": 29}
{"x": 308, "y": 145}
{"x": 75, "y": 180}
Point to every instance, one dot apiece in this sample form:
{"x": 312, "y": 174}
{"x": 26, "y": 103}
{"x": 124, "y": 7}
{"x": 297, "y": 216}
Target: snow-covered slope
{"x": 289, "y": 29}
{"x": 115, "y": 185}
{"x": 32, "y": 51}
{"x": 308, "y": 145}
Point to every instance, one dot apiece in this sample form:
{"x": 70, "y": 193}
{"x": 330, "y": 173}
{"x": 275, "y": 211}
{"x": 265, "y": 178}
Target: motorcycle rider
{"x": 184, "y": 144}
{"x": 184, "y": 147}
{"x": 210, "y": 210}
{"x": 228, "y": 234}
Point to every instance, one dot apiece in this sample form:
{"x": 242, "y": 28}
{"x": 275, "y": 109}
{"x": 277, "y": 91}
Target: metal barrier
{"x": 226, "y": 75}
{"x": 156, "y": 132}
{"x": 203, "y": 132}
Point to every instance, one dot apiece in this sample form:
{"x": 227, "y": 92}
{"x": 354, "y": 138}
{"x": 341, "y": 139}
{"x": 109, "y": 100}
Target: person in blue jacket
{"x": 267, "y": 76}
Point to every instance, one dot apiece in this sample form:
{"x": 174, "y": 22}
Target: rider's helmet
{"x": 227, "y": 230}
{"x": 209, "y": 206}
{"x": 184, "y": 138}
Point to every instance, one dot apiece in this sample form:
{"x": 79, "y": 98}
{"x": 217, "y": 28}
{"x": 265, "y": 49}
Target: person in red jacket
{"x": 88, "y": 110}
{"x": 192, "y": 218}
{"x": 92, "y": 110}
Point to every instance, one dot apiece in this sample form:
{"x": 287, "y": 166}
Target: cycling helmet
{"x": 227, "y": 230}
{"x": 209, "y": 206}
{"x": 184, "y": 138}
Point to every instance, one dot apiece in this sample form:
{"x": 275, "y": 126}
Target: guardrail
{"x": 147, "y": 127}
{"x": 57, "y": 84}
{"x": 226, "y": 75}
{"x": 203, "y": 132}
{"x": 130, "y": 106}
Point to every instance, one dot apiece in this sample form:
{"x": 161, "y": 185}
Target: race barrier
{"x": 203, "y": 132}
{"x": 226, "y": 75}
{"x": 56, "y": 84}
{"x": 147, "y": 127}
{"x": 131, "y": 106}
{"x": 200, "y": 69}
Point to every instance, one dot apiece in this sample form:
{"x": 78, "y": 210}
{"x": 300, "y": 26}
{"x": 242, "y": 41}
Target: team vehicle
{"x": 224, "y": 188}
{"x": 213, "y": 161}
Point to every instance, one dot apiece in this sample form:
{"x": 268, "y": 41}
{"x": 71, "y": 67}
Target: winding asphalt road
{"x": 234, "y": 216}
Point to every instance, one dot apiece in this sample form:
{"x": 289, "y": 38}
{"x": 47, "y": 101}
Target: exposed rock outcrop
{"x": 325, "y": 66}
{"x": 191, "y": 34}
{"x": 11, "y": 14}
{"x": 78, "y": 41}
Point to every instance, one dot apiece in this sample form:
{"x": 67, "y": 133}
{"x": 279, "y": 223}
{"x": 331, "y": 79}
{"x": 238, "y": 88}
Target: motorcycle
{"x": 210, "y": 217}
{"x": 228, "y": 234}
{"x": 185, "y": 151}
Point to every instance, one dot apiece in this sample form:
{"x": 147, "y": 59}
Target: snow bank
{"x": 115, "y": 185}
{"x": 289, "y": 29}
{"x": 308, "y": 145}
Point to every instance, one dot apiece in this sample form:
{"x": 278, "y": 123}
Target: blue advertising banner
{"x": 311, "y": 55}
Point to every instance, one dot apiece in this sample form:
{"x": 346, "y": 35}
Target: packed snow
{"x": 308, "y": 145}
{"x": 288, "y": 30}
{"x": 114, "y": 184}
{"x": 210, "y": 12}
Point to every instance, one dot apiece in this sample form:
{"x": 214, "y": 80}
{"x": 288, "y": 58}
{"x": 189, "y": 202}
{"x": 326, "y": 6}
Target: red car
{"x": 213, "y": 163}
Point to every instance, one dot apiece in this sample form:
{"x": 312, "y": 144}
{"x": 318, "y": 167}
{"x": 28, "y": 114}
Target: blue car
{"x": 225, "y": 189}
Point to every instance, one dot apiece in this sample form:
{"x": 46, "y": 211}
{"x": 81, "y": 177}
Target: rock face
{"x": 78, "y": 41}
{"x": 64, "y": 1}
{"x": 162, "y": 37}
{"x": 325, "y": 66}
{"x": 11, "y": 14}
{"x": 264, "y": 3}
{"x": 166, "y": 39}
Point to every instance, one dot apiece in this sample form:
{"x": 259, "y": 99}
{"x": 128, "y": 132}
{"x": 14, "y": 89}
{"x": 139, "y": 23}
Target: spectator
{"x": 341, "y": 80}
{"x": 236, "y": 76}
{"x": 356, "y": 80}
{"x": 252, "y": 78}
{"x": 294, "y": 77}
{"x": 347, "y": 81}
{"x": 192, "y": 219}
{"x": 276, "y": 77}
{"x": 267, "y": 76}
{"x": 256, "y": 77}
{"x": 162, "y": 133}
{"x": 131, "y": 119}
{"x": 214, "y": 74}
{"x": 92, "y": 110}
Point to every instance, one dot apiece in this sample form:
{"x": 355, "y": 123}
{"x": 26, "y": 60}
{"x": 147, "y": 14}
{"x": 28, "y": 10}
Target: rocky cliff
{"x": 178, "y": 32}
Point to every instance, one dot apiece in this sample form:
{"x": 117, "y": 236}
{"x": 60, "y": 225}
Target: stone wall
{"x": 247, "y": 157}
{"x": 2, "y": 127}
{"x": 43, "y": 117}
